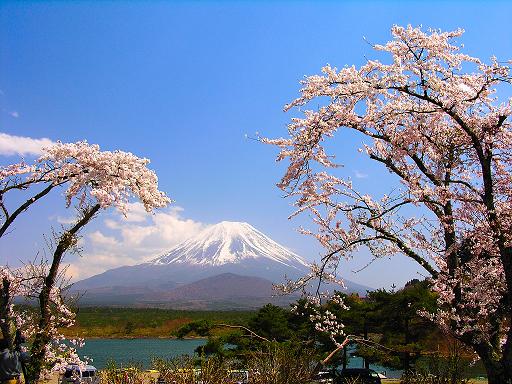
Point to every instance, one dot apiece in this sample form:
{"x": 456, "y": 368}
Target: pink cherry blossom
{"x": 93, "y": 180}
{"x": 430, "y": 116}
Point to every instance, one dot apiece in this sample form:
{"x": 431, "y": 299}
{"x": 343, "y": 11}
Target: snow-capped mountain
{"x": 223, "y": 257}
{"x": 230, "y": 243}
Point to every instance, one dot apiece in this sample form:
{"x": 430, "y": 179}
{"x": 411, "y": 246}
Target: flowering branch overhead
{"x": 95, "y": 180}
{"x": 109, "y": 178}
{"x": 431, "y": 117}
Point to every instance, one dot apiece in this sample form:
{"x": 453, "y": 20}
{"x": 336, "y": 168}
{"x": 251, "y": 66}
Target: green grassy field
{"x": 140, "y": 322}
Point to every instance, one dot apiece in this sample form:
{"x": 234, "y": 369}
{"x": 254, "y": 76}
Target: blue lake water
{"x": 141, "y": 351}
{"x": 125, "y": 351}
{"x": 358, "y": 362}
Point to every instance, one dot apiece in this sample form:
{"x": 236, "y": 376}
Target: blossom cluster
{"x": 111, "y": 178}
{"x": 323, "y": 319}
{"x": 105, "y": 177}
{"x": 26, "y": 282}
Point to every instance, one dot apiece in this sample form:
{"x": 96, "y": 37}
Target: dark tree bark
{"x": 43, "y": 336}
{"x": 8, "y": 332}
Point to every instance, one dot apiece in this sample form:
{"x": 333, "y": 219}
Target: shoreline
{"x": 143, "y": 337}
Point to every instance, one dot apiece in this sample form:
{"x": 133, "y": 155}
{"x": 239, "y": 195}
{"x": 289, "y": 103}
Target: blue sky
{"x": 182, "y": 83}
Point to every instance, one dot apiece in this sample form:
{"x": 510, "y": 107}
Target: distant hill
{"x": 229, "y": 265}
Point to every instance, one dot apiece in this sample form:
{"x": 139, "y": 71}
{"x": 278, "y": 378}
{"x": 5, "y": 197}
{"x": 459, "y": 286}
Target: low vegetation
{"x": 274, "y": 364}
{"x": 101, "y": 322}
{"x": 397, "y": 336}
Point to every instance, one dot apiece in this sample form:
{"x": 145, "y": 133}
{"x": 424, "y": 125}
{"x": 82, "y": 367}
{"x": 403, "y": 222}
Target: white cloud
{"x": 100, "y": 239}
{"x": 112, "y": 224}
{"x": 360, "y": 175}
{"x": 19, "y": 145}
{"x": 14, "y": 114}
{"x": 130, "y": 240}
{"x": 63, "y": 220}
{"x": 136, "y": 213}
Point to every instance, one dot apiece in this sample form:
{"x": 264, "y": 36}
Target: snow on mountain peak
{"x": 229, "y": 243}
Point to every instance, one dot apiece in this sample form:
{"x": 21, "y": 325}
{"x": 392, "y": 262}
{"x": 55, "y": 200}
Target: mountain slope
{"x": 227, "y": 247}
{"x": 226, "y": 262}
{"x": 230, "y": 243}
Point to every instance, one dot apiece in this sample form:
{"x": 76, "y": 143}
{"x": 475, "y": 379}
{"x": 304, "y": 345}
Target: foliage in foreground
{"x": 185, "y": 370}
{"x": 131, "y": 374}
{"x": 280, "y": 364}
{"x": 273, "y": 364}
{"x": 438, "y": 369}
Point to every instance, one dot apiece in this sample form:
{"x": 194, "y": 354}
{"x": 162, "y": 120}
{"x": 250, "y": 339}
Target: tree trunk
{"x": 37, "y": 358}
{"x": 6, "y": 323}
{"x": 44, "y": 336}
{"x": 365, "y": 335}
{"x": 507, "y": 354}
{"x": 498, "y": 371}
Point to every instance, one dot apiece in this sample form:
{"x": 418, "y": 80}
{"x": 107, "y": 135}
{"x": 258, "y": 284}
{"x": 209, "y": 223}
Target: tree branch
{"x": 10, "y": 218}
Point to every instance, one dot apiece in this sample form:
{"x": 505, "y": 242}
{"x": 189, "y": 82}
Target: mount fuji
{"x": 230, "y": 243}
{"x": 230, "y": 265}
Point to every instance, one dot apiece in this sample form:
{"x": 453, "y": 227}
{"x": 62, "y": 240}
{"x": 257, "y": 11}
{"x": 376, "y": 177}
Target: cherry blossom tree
{"x": 431, "y": 117}
{"x": 94, "y": 180}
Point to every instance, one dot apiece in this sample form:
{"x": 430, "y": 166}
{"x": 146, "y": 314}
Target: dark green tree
{"x": 271, "y": 322}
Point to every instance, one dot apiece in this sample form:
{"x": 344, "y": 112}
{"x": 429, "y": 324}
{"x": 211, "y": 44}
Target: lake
{"x": 125, "y": 351}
